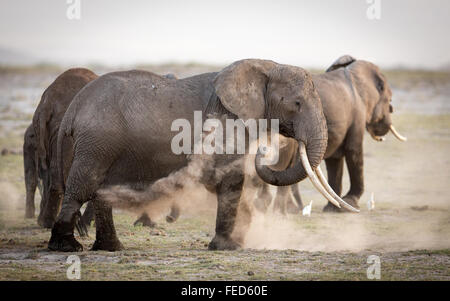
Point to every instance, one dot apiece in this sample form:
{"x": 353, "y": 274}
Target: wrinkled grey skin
{"x": 144, "y": 219}
{"x": 40, "y": 143}
{"x": 120, "y": 130}
{"x": 355, "y": 96}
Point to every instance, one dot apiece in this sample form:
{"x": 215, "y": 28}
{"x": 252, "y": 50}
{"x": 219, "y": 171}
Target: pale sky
{"x": 410, "y": 33}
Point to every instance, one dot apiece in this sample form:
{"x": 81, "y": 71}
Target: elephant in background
{"x": 32, "y": 180}
{"x": 119, "y": 127}
{"x": 355, "y": 97}
{"x": 40, "y": 143}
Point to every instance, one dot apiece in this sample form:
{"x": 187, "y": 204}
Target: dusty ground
{"x": 409, "y": 229}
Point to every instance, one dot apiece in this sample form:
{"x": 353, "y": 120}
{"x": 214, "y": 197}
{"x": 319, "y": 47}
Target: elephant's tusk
{"x": 330, "y": 190}
{"x": 397, "y": 135}
{"x": 312, "y": 176}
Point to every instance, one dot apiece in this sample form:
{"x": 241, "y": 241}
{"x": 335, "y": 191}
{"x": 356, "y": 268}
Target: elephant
{"x": 119, "y": 127}
{"x": 40, "y": 143}
{"x": 50, "y": 111}
{"x": 355, "y": 97}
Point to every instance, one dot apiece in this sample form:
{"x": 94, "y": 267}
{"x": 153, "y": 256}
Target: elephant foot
{"x": 65, "y": 243}
{"x": 330, "y": 208}
{"x": 62, "y": 238}
{"x": 352, "y": 201}
{"x": 145, "y": 221}
{"x": 223, "y": 243}
{"x": 111, "y": 245}
{"x": 171, "y": 219}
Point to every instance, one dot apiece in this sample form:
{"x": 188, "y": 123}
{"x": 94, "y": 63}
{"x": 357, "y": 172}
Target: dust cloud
{"x": 394, "y": 225}
{"x": 406, "y": 229}
{"x": 11, "y": 198}
{"x": 182, "y": 187}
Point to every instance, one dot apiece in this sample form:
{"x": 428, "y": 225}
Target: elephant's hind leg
{"x": 82, "y": 182}
{"x": 105, "y": 237}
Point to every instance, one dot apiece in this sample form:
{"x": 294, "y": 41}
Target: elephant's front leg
{"x": 335, "y": 170}
{"x": 355, "y": 165}
{"x": 229, "y": 192}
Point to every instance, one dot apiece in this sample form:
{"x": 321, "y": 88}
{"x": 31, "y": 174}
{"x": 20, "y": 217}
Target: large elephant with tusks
{"x": 356, "y": 97}
{"x": 120, "y": 129}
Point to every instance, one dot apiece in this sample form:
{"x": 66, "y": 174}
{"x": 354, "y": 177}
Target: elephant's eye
{"x": 282, "y": 98}
{"x": 297, "y": 103}
{"x": 391, "y": 109}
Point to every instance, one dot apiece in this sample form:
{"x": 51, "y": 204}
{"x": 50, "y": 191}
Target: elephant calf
{"x": 355, "y": 97}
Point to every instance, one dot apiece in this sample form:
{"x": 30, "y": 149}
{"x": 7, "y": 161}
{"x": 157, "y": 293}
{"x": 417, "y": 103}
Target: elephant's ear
{"x": 242, "y": 85}
{"x": 343, "y": 61}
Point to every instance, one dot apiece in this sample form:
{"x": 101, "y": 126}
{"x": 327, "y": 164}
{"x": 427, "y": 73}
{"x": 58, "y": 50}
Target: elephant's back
{"x": 337, "y": 97}
{"x": 129, "y": 115}
{"x": 59, "y": 94}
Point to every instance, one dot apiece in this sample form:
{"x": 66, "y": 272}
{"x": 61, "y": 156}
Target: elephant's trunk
{"x": 294, "y": 174}
{"x": 308, "y": 166}
{"x": 316, "y": 145}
